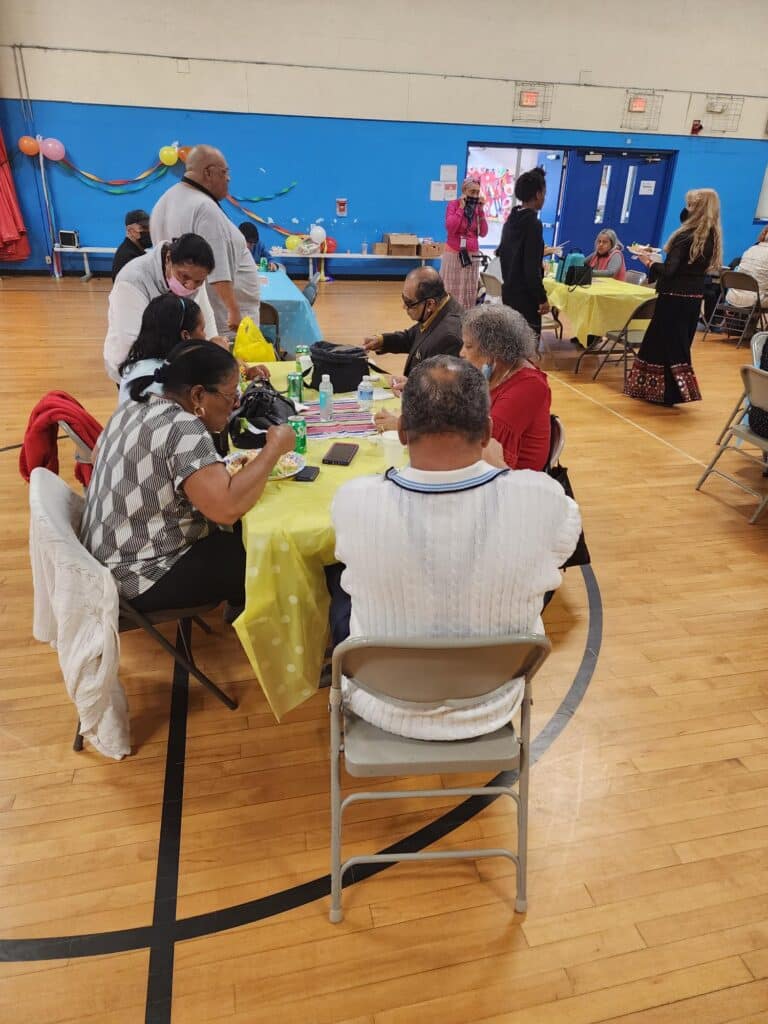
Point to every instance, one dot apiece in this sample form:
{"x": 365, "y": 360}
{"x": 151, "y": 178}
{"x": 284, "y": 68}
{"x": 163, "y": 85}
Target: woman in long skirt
{"x": 663, "y": 372}
{"x": 465, "y": 224}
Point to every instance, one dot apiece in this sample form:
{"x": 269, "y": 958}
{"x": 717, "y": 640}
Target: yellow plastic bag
{"x": 250, "y": 344}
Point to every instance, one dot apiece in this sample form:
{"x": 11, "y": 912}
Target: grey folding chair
{"x": 83, "y": 451}
{"x": 755, "y": 393}
{"x": 616, "y": 346}
{"x": 492, "y": 285}
{"x": 52, "y": 499}
{"x": 310, "y": 289}
{"x": 425, "y": 670}
{"x": 737, "y": 321}
{"x": 635, "y": 277}
{"x": 269, "y": 318}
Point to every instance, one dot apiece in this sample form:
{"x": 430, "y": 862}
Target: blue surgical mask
{"x": 487, "y": 370}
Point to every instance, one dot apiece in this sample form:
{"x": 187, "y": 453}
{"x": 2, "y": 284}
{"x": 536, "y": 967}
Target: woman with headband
{"x": 465, "y": 224}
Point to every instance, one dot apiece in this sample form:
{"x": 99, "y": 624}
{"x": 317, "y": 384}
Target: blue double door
{"x": 623, "y": 191}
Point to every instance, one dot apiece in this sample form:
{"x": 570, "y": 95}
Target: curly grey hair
{"x": 500, "y": 333}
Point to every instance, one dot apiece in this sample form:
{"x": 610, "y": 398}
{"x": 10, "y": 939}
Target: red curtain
{"x": 14, "y": 244}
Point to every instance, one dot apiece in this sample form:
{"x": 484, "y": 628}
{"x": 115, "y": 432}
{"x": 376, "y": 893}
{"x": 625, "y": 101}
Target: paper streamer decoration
{"x": 262, "y": 199}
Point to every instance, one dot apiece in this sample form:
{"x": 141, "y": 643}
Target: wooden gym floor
{"x": 649, "y": 825}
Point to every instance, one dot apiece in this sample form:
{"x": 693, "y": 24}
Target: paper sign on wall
{"x": 647, "y": 188}
{"x": 449, "y": 172}
{"x": 450, "y": 190}
{"x": 436, "y": 191}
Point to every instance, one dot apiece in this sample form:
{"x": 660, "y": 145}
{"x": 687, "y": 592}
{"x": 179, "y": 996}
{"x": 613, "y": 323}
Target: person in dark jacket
{"x": 662, "y": 371}
{"x": 521, "y": 250}
{"x": 437, "y": 327}
{"x": 136, "y": 241}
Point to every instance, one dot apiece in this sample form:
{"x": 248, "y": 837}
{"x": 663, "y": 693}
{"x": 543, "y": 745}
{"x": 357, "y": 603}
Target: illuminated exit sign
{"x": 529, "y": 99}
{"x": 638, "y": 104}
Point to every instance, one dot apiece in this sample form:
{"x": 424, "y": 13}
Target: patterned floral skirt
{"x": 662, "y": 371}
{"x": 460, "y": 282}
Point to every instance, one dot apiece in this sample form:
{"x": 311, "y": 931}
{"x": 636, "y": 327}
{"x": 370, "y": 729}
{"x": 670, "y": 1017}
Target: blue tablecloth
{"x": 298, "y": 324}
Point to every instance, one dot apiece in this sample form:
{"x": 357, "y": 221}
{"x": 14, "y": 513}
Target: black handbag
{"x": 581, "y": 554}
{"x": 346, "y": 365}
{"x": 579, "y": 276}
{"x": 262, "y": 407}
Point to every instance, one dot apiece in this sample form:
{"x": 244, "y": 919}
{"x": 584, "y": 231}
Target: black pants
{"x": 525, "y": 304}
{"x": 212, "y": 571}
{"x": 341, "y": 604}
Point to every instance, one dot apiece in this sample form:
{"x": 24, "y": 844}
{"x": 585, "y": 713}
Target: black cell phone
{"x": 307, "y": 474}
{"x": 340, "y": 454}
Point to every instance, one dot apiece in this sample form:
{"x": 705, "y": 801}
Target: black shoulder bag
{"x": 262, "y": 407}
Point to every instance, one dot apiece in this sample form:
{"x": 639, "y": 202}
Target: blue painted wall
{"x": 382, "y": 167}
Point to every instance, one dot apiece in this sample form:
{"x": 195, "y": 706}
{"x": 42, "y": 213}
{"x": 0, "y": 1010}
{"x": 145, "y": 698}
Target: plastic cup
{"x": 394, "y": 453}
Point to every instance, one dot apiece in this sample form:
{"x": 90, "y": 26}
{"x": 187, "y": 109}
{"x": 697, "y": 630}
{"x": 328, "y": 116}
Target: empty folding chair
{"x": 269, "y": 324}
{"x": 556, "y": 441}
{"x": 426, "y": 670}
{"x": 617, "y": 346}
{"x": 755, "y": 393}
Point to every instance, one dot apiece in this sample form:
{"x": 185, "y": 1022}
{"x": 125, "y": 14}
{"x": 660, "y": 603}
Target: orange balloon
{"x": 183, "y": 152}
{"x": 29, "y": 145}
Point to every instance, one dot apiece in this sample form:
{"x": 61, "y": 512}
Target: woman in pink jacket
{"x": 465, "y": 223}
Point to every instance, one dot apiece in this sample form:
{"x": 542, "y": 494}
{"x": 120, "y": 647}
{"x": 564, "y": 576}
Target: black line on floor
{"x": 98, "y": 944}
{"x": 161, "y": 952}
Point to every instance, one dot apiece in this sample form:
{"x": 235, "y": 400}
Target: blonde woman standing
{"x": 662, "y": 371}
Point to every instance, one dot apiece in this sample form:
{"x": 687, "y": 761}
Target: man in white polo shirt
{"x": 448, "y": 546}
{"x": 193, "y": 205}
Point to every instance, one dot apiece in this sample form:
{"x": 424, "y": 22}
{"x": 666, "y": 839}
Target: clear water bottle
{"x": 326, "y": 399}
{"x": 365, "y": 394}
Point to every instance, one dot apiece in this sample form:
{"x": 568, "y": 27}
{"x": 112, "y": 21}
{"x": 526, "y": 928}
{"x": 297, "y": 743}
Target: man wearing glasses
{"x": 437, "y": 327}
{"x": 193, "y": 205}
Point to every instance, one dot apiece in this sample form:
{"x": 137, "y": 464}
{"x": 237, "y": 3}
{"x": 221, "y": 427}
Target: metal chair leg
{"x": 202, "y": 624}
{"x": 179, "y": 656}
{"x": 521, "y": 900}
{"x": 336, "y": 912}
{"x": 77, "y": 746}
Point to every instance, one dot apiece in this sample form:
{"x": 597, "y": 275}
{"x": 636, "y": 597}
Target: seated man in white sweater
{"x": 449, "y": 546}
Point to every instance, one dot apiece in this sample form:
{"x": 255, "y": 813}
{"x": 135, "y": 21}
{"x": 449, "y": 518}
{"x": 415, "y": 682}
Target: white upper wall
{"x": 317, "y": 57}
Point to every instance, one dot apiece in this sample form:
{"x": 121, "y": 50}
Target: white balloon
{"x": 317, "y": 234}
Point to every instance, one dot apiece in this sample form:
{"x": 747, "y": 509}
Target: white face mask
{"x": 487, "y": 370}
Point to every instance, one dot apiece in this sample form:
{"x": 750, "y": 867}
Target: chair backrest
{"x": 755, "y": 386}
{"x": 758, "y": 343}
{"x": 556, "y": 440}
{"x": 492, "y": 285}
{"x": 83, "y": 452}
{"x": 428, "y": 669}
{"x": 268, "y": 315}
{"x": 737, "y": 279}
{"x": 635, "y": 277}
{"x": 642, "y": 312}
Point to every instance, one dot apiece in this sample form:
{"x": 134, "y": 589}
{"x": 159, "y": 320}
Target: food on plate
{"x": 287, "y": 465}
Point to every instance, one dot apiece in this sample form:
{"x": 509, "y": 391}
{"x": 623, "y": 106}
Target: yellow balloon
{"x": 292, "y": 242}
{"x": 168, "y": 155}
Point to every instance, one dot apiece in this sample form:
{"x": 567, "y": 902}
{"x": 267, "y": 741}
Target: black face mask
{"x": 145, "y": 240}
{"x": 470, "y": 204}
{"x": 685, "y": 213}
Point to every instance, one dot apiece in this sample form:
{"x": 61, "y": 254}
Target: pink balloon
{"x": 52, "y": 149}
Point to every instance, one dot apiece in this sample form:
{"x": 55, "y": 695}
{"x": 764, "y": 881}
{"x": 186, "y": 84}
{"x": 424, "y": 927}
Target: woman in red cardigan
{"x": 465, "y": 223}
{"x": 499, "y": 342}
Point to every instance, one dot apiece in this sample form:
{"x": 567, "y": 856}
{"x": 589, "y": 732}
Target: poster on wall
{"x": 442, "y": 191}
{"x": 449, "y": 172}
{"x": 647, "y": 188}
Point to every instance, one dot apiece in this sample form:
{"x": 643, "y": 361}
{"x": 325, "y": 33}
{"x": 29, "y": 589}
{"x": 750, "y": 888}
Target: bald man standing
{"x": 437, "y": 316}
{"x": 193, "y": 205}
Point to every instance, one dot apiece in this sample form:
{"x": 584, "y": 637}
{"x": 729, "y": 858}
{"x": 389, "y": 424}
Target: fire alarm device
{"x": 696, "y": 127}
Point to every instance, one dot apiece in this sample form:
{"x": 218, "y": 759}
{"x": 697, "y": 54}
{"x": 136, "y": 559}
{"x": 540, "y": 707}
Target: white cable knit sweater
{"x": 447, "y": 561}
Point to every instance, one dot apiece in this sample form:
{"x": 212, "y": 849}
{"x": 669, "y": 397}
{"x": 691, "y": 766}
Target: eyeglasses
{"x": 412, "y": 303}
{"x": 218, "y": 168}
{"x": 232, "y": 397}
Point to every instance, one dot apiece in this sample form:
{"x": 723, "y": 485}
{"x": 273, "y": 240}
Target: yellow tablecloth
{"x": 289, "y": 539}
{"x": 603, "y": 306}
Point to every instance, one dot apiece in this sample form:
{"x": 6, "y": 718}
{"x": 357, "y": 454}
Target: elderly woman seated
{"x": 159, "y": 488}
{"x": 499, "y": 342}
{"x": 607, "y": 260}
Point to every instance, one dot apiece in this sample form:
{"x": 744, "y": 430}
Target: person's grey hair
{"x": 500, "y": 333}
{"x": 445, "y": 395}
{"x": 610, "y": 234}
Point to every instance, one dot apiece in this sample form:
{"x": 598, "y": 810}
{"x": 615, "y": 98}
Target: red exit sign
{"x": 529, "y": 99}
{"x": 638, "y": 104}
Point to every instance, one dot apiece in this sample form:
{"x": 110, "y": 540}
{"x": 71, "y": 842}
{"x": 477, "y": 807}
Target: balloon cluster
{"x": 317, "y": 236}
{"x": 52, "y": 149}
{"x": 168, "y": 155}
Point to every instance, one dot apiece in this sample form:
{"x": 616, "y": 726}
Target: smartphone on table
{"x": 340, "y": 454}
{"x": 307, "y": 474}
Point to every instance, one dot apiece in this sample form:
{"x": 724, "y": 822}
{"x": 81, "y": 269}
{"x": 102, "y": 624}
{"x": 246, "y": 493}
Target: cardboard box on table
{"x": 431, "y": 250}
{"x": 399, "y": 244}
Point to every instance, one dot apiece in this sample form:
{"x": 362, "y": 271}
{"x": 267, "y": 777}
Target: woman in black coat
{"x": 662, "y": 371}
